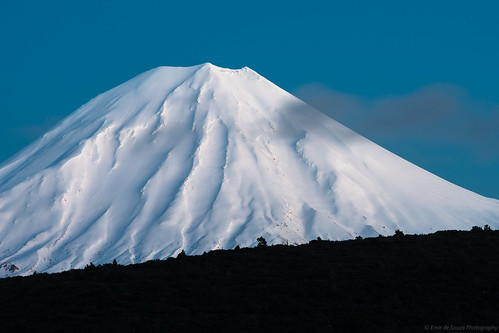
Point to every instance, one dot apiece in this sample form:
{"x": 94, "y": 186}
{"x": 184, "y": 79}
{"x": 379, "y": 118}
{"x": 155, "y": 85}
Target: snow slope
{"x": 203, "y": 157}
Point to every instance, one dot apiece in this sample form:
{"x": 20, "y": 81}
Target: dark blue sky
{"x": 418, "y": 77}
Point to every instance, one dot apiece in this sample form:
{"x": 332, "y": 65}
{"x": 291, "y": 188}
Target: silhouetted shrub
{"x": 399, "y": 233}
{"x": 90, "y": 266}
{"x": 487, "y": 228}
{"x": 115, "y": 263}
{"x": 358, "y": 237}
{"x": 476, "y": 228}
{"x": 182, "y": 254}
{"x": 261, "y": 241}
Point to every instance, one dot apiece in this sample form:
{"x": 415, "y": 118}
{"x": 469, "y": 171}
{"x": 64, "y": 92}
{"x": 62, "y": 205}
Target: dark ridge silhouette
{"x": 405, "y": 283}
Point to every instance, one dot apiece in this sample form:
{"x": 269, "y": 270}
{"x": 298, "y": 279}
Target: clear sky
{"x": 420, "y": 78}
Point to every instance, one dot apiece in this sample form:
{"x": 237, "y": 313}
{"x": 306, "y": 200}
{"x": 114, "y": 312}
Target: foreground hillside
{"x": 377, "y": 284}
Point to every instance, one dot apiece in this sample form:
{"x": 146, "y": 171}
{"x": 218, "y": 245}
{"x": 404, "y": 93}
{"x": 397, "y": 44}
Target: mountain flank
{"x": 200, "y": 158}
{"x": 409, "y": 283}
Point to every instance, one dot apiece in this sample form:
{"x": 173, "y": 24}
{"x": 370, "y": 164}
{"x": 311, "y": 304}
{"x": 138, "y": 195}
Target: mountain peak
{"x": 174, "y": 71}
{"x": 199, "y": 158}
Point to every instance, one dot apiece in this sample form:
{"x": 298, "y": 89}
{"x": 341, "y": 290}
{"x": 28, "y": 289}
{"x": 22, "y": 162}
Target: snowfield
{"x": 201, "y": 158}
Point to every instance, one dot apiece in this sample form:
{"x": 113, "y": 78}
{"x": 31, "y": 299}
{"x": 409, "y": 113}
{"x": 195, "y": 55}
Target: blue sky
{"x": 417, "y": 77}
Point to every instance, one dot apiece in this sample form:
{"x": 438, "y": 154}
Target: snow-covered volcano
{"x": 203, "y": 157}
